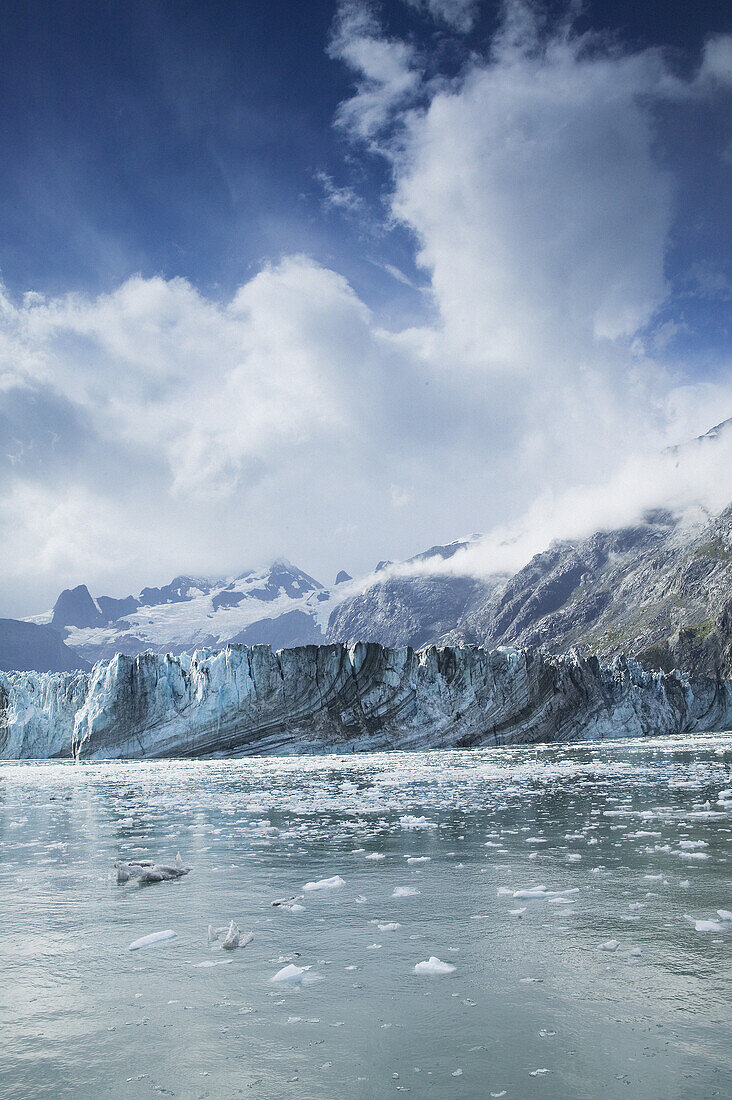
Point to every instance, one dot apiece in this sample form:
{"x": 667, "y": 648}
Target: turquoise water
{"x": 630, "y": 840}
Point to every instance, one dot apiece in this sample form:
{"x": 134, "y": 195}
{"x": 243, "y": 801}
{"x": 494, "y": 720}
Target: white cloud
{"x": 692, "y": 482}
{"x": 386, "y": 70}
{"x": 539, "y": 208}
{"x": 340, "y": 198}
{"x": 155, "y": 430}
{"x": 716, "y": 66}
{"x": 460, "y": 15}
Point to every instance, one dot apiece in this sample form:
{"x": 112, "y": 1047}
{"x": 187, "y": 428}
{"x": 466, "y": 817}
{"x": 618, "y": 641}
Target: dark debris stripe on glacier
{"x": 332, "y": 698}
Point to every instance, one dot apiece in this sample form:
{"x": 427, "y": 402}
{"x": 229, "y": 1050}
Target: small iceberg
{"x": 147, "y": 871}
{"x": 704, "y": 925}
{"x": 154, "y": 937}
{"x": 230, "y": 935}
{"x": 409, "y": 821}
{"x": 333, "y": 883}
{"x": 291, "y": 974}
{"x": 433, "y": 966}
{"x": 405, "y": 892}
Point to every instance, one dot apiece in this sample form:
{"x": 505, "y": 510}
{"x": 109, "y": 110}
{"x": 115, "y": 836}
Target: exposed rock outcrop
{"x": 33, "y": 646}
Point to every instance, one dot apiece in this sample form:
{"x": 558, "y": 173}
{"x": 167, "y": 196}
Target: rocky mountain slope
{"x": 241, "y": 701}
{"x": 29, "y": 646}
{"x": 660, "y": 591}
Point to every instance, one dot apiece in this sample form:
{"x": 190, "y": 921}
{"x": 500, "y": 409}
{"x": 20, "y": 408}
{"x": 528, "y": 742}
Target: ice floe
{"x": 433, "y": 966}
{"x": 333, "y": 883}
{"x": 153, "y": 937}
{"x": 147, "y": 871}
{"x": 291, "y": 974}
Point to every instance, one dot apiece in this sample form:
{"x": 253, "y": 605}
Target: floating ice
{"x": 291, "y": 974}
{"x": 610, "y": 945}
{"x": 409, "y": 821}
{"x": 541, "y": 892}
{"x": 232, "y": 937}
{"x": 376, "y": 855}
{"x": 148, "y": 871}
{"x": 418, "y": 859}
{"x": 154, "y": 937}
{"x": 704, "y": 925}
{"x": 433, "y": 965}
{"x": 724, "y": 914}
{"x": 390, "y": 926}
{"x": 333, "y": 883}
{"x": 286, "y": 902}
{"x": 532, "y": 892}
{"x": 405, "y": 892}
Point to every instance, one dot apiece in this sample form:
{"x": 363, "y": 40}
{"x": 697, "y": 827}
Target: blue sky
{"x": 294, "y": 277}
{"x": 191, "y": 139}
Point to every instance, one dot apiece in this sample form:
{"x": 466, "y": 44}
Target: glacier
{"x": 244, "y": 700}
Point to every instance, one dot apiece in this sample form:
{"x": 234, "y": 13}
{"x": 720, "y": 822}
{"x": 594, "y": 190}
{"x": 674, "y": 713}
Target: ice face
{"x": 245, "y": 701}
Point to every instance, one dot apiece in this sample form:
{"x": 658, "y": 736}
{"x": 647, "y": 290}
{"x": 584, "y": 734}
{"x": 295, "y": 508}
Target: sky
{"x": 339, "y": 281}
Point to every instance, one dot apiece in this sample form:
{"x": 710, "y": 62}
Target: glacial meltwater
{"x": 522, "y": 922}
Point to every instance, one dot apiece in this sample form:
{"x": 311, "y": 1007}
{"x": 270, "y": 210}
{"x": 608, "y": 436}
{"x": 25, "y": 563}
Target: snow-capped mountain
{"x": 280, "y": 605}
{"x": 659, "y": 590}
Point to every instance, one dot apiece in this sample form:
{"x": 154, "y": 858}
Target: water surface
{"x": 629, "y": 839}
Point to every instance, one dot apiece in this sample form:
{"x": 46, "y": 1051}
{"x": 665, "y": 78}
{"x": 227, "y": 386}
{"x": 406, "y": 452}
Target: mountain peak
{"x": 75, "y": 607}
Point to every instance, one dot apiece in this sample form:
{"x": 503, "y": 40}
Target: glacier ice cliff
{"x": 333, "y": 698}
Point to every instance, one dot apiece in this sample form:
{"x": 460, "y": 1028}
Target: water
{"x": 624, "y": 825}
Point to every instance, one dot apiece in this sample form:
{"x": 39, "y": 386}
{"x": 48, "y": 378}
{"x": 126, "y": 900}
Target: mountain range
{"x": 659, "y": 590}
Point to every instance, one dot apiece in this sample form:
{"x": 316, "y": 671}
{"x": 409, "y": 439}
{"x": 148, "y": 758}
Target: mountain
{"x": 242, "y": 701}
{"x": 75, "y": 607}
{"x": 281, "y": 605}
{"x": 25, "y": 646}
{"x": 412, "y": 609}
{"x": 407, "y": 610}
{"x": 660, "y": 591}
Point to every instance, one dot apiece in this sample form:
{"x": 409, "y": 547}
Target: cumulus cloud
{"x": 155, "y": 429}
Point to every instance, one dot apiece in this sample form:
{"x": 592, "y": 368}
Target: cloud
{"x": 716, "y": 66}
{"x": 551, "y": 235}
{"x": 209, "y": 387}
{"x": 460, "y": 15}
{"x": 691, "y": 482}
{"x": 156, "y": 429}
{"x": 386, "y": 70}
{"x": 339, "y": 198}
